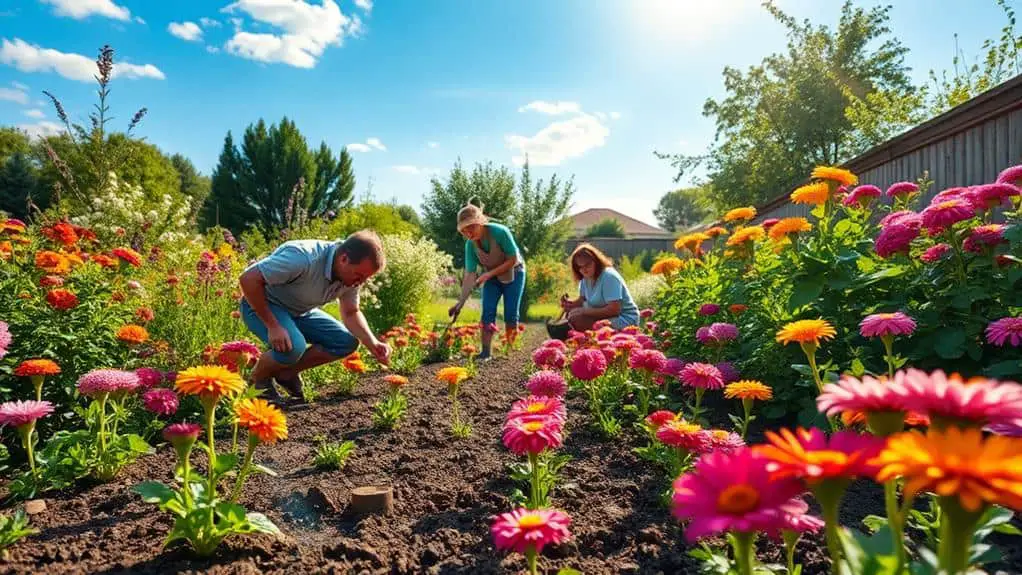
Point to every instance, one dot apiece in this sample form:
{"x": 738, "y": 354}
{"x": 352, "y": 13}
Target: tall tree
{"x": 787, "y": 114}
{"x": 539, "y": 221}
{"x": 194, "y": 185}
{"x": 680, "y": 209}
{"x": 606, "y": 228}
{"x": 409, "y": 215}
{"x": 17, "y": 185}
{"x": 227, "y": 205}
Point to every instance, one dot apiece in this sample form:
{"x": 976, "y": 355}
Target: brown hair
{"x": 471, "y": 213}
{"x": 364, "y": 244}
{"x": 599, "y": 258}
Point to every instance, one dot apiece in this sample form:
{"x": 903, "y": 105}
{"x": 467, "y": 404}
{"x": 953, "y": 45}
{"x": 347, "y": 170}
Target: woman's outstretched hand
{"x": 455, "y": 309}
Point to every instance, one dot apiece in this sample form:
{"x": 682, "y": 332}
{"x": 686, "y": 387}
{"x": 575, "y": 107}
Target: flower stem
{"x": 102, "y": 425}
{"x": 956, "y": 535}
{"x": 894, "y": 521}
{"x": 532, "y": 558}
{"x": 246, "y": 467}
{"x": 211, "y": 486}
{"x": 829, "y": 493}
{"x": 811, "y": 356}
{"x": 37, "y": 381}
{"x": 747, "y": 409}
{"x": 744, "y": 552}
{"x": 790, "y": 541}
{"x": 26, "y": 441}
{"x": 889, "y": 356}
{"x": 534, "y": 502}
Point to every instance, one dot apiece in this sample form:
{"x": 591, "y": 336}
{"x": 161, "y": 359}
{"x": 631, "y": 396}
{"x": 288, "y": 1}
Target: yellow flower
{"x": 452, "y": 375}
{"x": 209, "y": 381}
{"x": 667, "y": 266}
{"x": 806, "y": 331}
{"x": 841, "y": 176}
{"x": 749, "y": 234}
{"x": 748, "y": 389}
{"x": 716, "y": 231}
{"x": 692, "y": 242}
{"x": 785, "y": 226}
{"x": 816, "y": 193}
{"x": 956, "y": 462}
{"x": 225, "y": 251}
{"x": 740, "y": 214}
{"x": 261, "y": 419}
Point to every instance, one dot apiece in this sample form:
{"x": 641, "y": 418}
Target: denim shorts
{"x": 316, "y": 327}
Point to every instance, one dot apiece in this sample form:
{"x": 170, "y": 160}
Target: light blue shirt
{"x": 610, "y": 287}
{"x": 299, "y": 276}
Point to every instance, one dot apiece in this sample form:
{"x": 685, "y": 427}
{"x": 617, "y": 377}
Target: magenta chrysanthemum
{"x": 1007, "y": 330}
{"x": 723, "y": 332}
{"x": 532, "y": 434}
{"x": 902, "y": 189}
{"x": 148, "y": 377}
{"x": 951, "y": 194}
{"x": 862, "y": 196}
{"x": 242, "y": 347}
{"x": 658, "y": 418}
{"x": 709, "y": 309}
{"x": 19, "y": 413}
{"x": 548, "y": 357}
{"x": 529, "y": 531}
{"x": 866, "y": 395}
{"x": 588, "y": 364}
{"x": 702, "y": 375}
{"x": 703, "y": 335}
{"x": 556, "y": 344}
{"x": 982, "y": 237}
{"x": 949, "y": 398}
{"x": 989, "y": 196}
{"x": 160, "y": 401}
{"x": 682, "y": 434}
{"x": 548, "y": 383}
{"x": 733, "y": 492}
{"x": 650, "y": 360}
{"x": 100, "y": 381}
{"x": 724, "y": 441}
{"x": 728, "y": 372}
{"x": 645, "y": 341}
{"x": 940, "y": 216}
{"x": 673, "y": 367}
{"x": 933, "y": 254}
{"x": 895, "y": 238}
{"x": 887, "y": 324}
{"x": 177, "y": 431}
{"x": 904, "y": 217}
{"x": 1012, "y": 175}
{"x": 538, "y": 405}
{"x": 5, "y": 338}
{"x": 646, "y": 313}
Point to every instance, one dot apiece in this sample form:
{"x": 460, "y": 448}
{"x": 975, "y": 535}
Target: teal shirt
{"x": 610, "y": 287}
{"x": 504, "y": 239}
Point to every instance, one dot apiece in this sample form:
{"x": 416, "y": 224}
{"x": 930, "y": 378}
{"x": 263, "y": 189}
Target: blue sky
{"x": 586, "y": 87}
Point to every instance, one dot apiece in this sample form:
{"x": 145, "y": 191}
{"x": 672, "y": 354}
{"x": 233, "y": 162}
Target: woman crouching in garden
{"x": 490, "y": 246}
{"x": 602, "y": 293}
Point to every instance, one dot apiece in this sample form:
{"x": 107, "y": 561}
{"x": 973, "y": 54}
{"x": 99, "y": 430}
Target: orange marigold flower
{"x": 692, "y": 242}
{"x": 667, "y": 266}
{"x": 6, "y": 249}
{"x": 104, "y": 261}
{"x": 806, "y": 331}
{"x": 396, "y": 380}
{"x": 36, "y": 367}
{"x": 61, "y": 232}
{"x": 61, "y": 299}
{"x": 780, "y": 230}
{"x": 956, "y": 462}
{"x": 841, "y": 176}
{"x": 132, "y": 334}
{"x": 737, "y": 308}
{"x": 740, "y": 214}
{"x": 144, "y": 314}
{"x": 128, "y": 256}
{"x": 717, "y": 231}
{"x": 52, "y": 262}
{"x": 354, "y": 365}
{"x": 262, "y": 420}
{"x": 209, "y": 382}
{"x": 452, "y": 375}
{"x": 816, "y": 193}
{"x": 748, "y": 234}
{"x": 748, "y": 389}
{"x": 810, "y": 455}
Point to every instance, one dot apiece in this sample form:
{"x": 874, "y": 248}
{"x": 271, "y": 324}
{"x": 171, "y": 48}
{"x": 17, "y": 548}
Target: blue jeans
{"x": 493, "y": 290}
{"x": 314, "y": 327}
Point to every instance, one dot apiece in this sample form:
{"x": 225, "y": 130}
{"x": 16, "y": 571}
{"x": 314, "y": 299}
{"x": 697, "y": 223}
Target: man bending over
{"x": 283, "y": 294}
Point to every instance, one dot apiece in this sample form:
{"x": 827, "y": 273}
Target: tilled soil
{"x": 446, "y": 491}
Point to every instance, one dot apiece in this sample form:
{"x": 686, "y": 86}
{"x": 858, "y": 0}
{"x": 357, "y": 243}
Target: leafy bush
{"x": 606, "y": 228}
{"x": 548, "y": 278}
{"x": 631, "y": 268}
{"x": 646, "y": 289}
{"x": 333, "y": 455}
{"x": 415, "y": 267}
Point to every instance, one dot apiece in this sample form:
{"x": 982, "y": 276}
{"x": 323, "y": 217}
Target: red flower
{"x": 61, "y": 299}
{"x": 129, "y": 256}
{"x": 51, "y": 281}
{"x": 61, "y": 232}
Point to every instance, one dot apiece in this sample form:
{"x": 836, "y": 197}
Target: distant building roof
{"x": 582, "y": 221}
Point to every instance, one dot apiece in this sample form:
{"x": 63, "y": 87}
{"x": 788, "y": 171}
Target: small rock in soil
{"x": 321, "y": 500}
{"x": 35, "y": 507}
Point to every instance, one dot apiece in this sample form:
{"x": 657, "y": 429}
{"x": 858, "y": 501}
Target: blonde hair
{"x": 471, "y": 213}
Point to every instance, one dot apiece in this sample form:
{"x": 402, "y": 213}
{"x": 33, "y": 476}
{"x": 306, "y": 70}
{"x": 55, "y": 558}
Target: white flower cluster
{"x": 415, "y": 268}
{"x": 126, "y": 206}
{"x": 646, "y": 290}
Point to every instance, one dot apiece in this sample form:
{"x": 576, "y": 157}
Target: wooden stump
{"x": 372, "y": 499}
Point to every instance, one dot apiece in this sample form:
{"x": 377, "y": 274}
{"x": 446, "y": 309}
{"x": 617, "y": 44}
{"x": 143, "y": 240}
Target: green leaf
{"x": 874, "y": 522}
{"x": 137, "y": 444}
{"x": 569, "y": 571}
{"x": 154, "y": 492}
{"x": 260, "y": 468}
{"x": 803, "y": 369}
{"x": 858, "y": 369}
{"x": 806, "y": 291}
{"x": 231, "y": 512}
{"x": 1005, "y": 368}
{"x": 1007, "y": 529}
{"x": 224, "y": 463}
{"x": 261, "y": 524}
{"x": 950, "y": 343}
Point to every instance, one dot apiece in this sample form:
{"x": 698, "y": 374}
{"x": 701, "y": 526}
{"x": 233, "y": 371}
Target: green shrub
{"x": 646, "y": 289}
{"x": 631, "y": 268}
{"x": 333, "y": 455}
{"x": 415, "y": 267}
{"x": 548, "y": 278}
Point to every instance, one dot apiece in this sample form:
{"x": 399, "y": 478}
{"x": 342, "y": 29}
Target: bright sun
{"x": 686, "y": 20}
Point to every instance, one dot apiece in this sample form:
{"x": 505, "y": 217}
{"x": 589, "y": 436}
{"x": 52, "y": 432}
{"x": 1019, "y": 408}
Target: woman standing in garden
{"x": 491, "y": 247}
{"x": 602, "y": 293}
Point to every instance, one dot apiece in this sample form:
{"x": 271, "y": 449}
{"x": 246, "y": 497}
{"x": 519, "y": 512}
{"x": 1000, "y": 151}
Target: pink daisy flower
{"x": 895, "y": 238}
{"x": 949, "y": 398}
{"x": 951, "y": 194}
{"x": 902, "y": 189}
{"x": 538, "y": 405}
{"x": 5, "y": 338}
{"x": 548, "y": 357}
{"x": 160, "y": 401}
{"x": 724, "y": 441}
{"x": 1012, "y": 175}
{"x": 933, "y": 254}
{"x": 709, "y": 309}
{"x": 673, "y": 367}
{"x": 797, "y": 519}
{"x": 940, "y": 216}
{"x": 646, "y": 313}
{"x": 1007, "y": 330}
{"x": 533, "y": 434}
{"x": 862, "y": 196}
{"x": 651, "y": 326}
{"x": 651, "y": 360}
{"x": 609, "y": 352}
{"x": 148, "y": 377}
{"x": 903, "y": 217}
{"x": 703, "y": 335}
{"x": 658, "y": 418}
{"x": 242, "y": 347}
{"x": 19, "y": 413}
{"x": 723, "y": 332}
{"x": 989, "y": 196}
{"x": 683, "y": 435}
{"x": 588, "y": 364}
{"x": 548, "y": 383}
{"x": 182, "y": 436}
{"x": 555, "y": 344}
{"x": 866, "y": 395}
{"x": 982, "y": 237}
{"x": 99, "y": 381}
{"x": 810, "y": 455}
{"x": 645, "y": 341}
{"x": 770, "y": 222}
{"x": 887, "y": 325}
{"x": 529, "y": 531}
{"x": 733, "y": 492}
{"x": 702, "y": 375}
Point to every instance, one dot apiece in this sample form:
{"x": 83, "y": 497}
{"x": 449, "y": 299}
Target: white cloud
{"x": 12, "y": 95}
{"x": 601, "y": 116}
{"x": 307, "y": 30}
{"x": 433, "y": 145}
{"x": 559, "y": 141}
{"x": 366, "y": 5}
{"x": 412, "y": 170}
{"x": 212, "y": 49}
{"x": 188, "y": 31}
{"x": 41, "y": 129}
{"x": 359, "y": 148}
{"x": 376, "y": 143}
{"x": 139, "y": 20}
{"x": 209, "y": 22}
{"x": 79, "y": 9}
{"x": 32, "y": 58}
{"x": 35, "y": 114}
{"x": 20, "y": 86}
{"x": 615, "y": 115}
{"x": 551, "y": 108}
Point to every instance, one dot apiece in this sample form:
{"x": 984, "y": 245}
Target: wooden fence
{"x": 617, "y": 247}
{"x": 965, "y": 146}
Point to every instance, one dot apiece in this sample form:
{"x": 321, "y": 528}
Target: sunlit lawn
{"x": 437, "y": 312}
